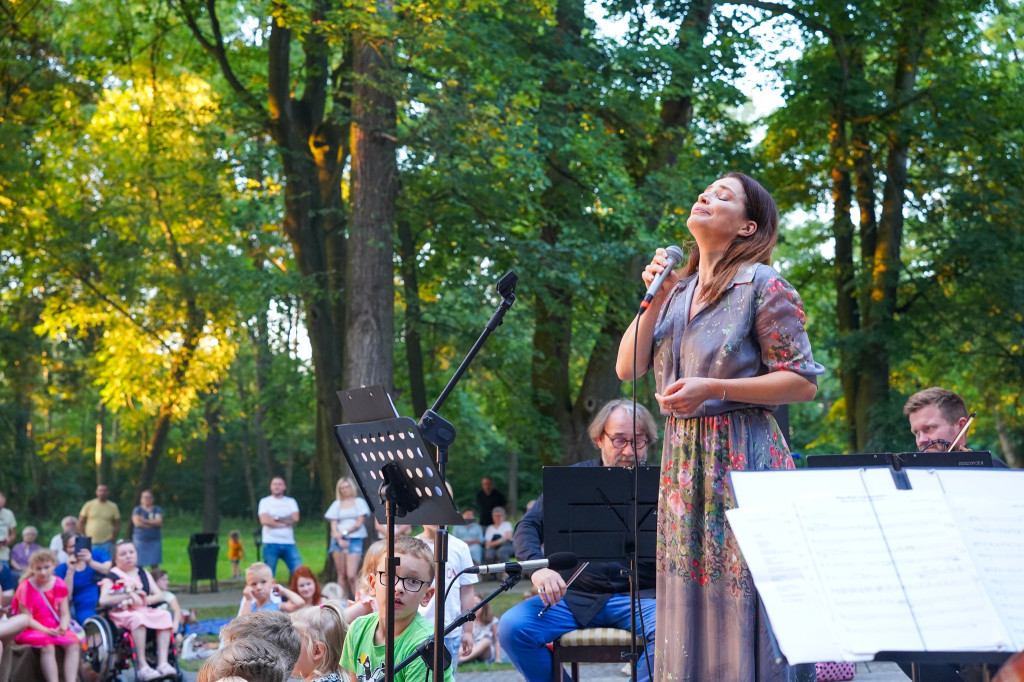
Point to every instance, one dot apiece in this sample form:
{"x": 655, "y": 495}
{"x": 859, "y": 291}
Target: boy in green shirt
{"x": 363, "y": 655}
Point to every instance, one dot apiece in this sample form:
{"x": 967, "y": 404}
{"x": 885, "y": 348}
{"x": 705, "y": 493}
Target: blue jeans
{"x": 523, "y": 635}
{"x": 288, "y": 553}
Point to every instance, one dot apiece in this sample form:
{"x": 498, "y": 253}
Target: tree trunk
{"x": 370, "y": 273}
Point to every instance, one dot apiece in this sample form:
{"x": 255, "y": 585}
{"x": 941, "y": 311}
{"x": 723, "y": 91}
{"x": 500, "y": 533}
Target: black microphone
{"x": 675, "y": 256}
{"x": 559, "y": 561}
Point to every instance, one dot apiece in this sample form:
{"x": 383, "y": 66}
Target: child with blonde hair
{"x": 261, "y": 593}
{"x": 322, "y": 629}
{"x": 364, "y": 603}
{"x": 365, "y": 644}
{"x": 44, "y": 598}
{"x": 252, "y": 660}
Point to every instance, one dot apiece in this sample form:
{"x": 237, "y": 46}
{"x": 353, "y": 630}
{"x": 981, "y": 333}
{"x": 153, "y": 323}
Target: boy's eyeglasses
{"x": 410, "y": 584}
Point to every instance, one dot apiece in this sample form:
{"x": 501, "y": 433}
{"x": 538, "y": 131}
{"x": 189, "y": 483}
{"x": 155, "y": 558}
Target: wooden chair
{"x": 590, "y": 645}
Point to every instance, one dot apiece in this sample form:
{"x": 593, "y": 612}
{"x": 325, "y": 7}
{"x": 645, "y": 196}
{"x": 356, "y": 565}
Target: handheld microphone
{"x": 559, "y": 561}
{"x": 675, "y": 256}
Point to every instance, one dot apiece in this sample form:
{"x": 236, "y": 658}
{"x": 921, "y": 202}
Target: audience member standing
{"x": 100, "y": 520}
{"x": 487, "y": 498}
{"x": 278, "y": 513}
{"x": 7, "y": 537}
{"x": 346, "y": 515}
{"x": 148, "y": 519}
{"x": 69, "y": 524}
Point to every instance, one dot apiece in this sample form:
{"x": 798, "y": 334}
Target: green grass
{"x": 311, "y": 538}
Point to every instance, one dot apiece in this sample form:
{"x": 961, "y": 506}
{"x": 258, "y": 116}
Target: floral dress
{"x": 709, "y": 624}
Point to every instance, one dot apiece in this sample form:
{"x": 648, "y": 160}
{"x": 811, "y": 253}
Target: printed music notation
{"x": 848, "y": 566}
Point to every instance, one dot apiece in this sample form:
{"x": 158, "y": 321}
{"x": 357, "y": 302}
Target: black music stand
{"x": 958, "y": 459}
{"x": 589, "y": 511}
{"x": 391, "y": 465}
{"x": 604, "y": 514}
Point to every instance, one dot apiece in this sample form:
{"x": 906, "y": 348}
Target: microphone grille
{"x": 674, "y": 254}
{"x": 562, "y": 561}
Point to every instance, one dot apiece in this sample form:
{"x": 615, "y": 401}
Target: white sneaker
{"x": 626, "y": 670}
{"x": 166, "y": 669}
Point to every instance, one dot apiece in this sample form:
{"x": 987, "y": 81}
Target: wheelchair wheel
{"x": 98, "y": 651}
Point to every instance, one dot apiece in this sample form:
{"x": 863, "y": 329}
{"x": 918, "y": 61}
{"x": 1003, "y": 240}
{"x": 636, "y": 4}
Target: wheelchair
{"x": 108, "y": 651}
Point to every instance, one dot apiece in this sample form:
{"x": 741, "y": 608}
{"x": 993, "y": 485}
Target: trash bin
{"x": 202, "y": 554}
{"x": 257, "y": 539}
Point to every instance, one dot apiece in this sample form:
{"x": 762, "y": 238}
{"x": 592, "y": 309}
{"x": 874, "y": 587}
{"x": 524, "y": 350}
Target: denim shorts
{"x": 355, "y": 546}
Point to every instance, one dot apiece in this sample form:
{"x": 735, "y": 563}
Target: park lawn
{"x": 311, "y": 537}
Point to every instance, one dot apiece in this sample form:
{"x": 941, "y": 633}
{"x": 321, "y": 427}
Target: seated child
{"x": 485, "y": 638}
{"x": 252, "y": 660}
{"x": 44, "y": 598}
{"x": 261, "y": 593}
{"x": 364, "y": 650}
{"x": 277, "y": 641}
{"x": 322, "y": 629}
{"x": 170, "y": 602}
{"x": 364, "y": 603}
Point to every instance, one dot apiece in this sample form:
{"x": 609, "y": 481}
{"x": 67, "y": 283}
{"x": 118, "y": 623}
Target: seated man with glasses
{"x": 599, "y": 597}
{"x": 364, "y": 650}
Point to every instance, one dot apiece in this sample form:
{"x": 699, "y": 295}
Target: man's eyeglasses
{"x": 638, "y": 444}
{"x": 410, "y": 584}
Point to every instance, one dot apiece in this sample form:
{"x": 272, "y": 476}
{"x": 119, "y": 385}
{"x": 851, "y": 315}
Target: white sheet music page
{"x": 858, "y": 575}
{"x": 774, "y": 549}
{"x": 989, "y": 510}
{"x": 750, "y": 489}
{"x": 945, "y": 590}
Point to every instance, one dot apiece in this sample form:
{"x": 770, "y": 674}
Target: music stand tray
{"x": 589, "y": 511}
{"x": 393, "y": 449}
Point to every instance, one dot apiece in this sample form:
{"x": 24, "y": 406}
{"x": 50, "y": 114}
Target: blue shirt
{"x": 86, "y": 586}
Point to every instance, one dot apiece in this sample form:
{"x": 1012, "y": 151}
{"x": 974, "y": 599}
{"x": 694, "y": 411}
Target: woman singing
{"x": 726, "y": 339}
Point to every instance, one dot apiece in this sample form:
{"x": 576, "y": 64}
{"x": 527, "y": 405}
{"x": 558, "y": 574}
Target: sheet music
{"x": 942, "y": 583}
{"x": 995, "y": 538}
{"x": 859, "y": 578}
{"x": 787, "y": 583}
{"x": 847, "y": 563}
{"x": 788, "y": 485}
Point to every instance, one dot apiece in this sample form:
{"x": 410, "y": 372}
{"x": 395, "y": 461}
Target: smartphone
{"x": 83, "y": 542}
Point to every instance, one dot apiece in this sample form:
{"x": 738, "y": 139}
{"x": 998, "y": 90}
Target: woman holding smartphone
{"x": 82, "y": 571}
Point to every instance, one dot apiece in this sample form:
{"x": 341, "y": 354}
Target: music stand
{"x": 589, "y": 511}
{"x": 391, "y": 466}
{"x": 604, "y": 514}
{"x": 900, "y": 460}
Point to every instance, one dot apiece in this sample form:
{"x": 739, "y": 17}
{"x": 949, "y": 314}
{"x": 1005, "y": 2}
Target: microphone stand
{"x": 436, "y": 430}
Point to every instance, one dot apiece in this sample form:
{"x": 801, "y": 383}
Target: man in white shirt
{"x": 278, "y": 513}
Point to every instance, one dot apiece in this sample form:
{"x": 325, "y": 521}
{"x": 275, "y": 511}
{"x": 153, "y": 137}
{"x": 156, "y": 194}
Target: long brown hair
{"x": 756, "y": 248}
